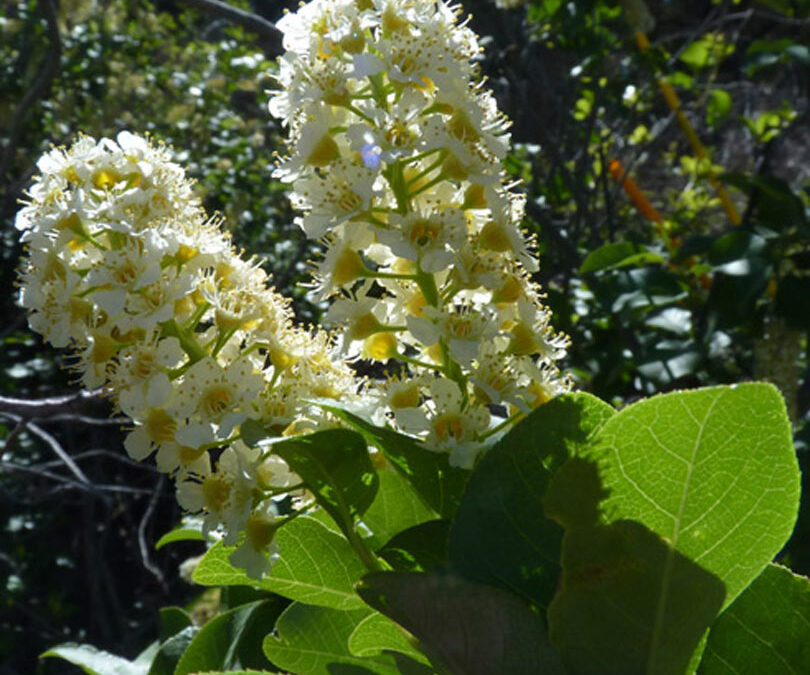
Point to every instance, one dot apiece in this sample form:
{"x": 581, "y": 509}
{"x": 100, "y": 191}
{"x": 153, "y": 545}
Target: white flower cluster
{"x": 395, "y": 162}
{"x": 124, "y": 267}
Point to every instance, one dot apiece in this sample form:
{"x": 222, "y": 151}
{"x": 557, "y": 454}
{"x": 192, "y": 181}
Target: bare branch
{"x": 144, "y": 549}
{"x": 271, "y": 36}
{"x": 81, "y": 403}
{"x": 95, "y": 488}
{"x": 57, "y": 448}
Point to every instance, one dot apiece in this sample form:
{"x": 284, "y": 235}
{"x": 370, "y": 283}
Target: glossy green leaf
{"x": 608, "y": 617}
{"x": 337, "y": 469}
{"x": 618, "y": 254}
{"x": 218, "y": 645}
{"x": 377, "y": 634}
{"x": 501, "y": 535}
{"x": 316, "y": 565}
{"x": 712, "y": 471}
{"x": 471, "y": 628}
{"x": 396, "y": 507}
{"x": 438, "y": 484}
{"x": 315, "y": 641}
{"x": 95, "y": 661}
{"x": 765, "y": 630}
{"x": 171, "y": 651}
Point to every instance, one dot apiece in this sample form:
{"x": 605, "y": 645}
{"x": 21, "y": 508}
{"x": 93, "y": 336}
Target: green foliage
{"x": 467, "y": 627}
{"x": 753, "y": 635}
{"x": 316, "y": 566}
{"x": 624, "y": 532}
{"x": 587, "y": 541}
{"x": 499, "y": 535}
{"x": 315, "y": 641}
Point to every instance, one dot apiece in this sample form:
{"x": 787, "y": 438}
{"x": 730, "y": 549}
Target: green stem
{"x": 188, "y": 343}
{"x": 428, "y": 185}
{"x": 366, "y": 555}
{"x": 427, "y": 284}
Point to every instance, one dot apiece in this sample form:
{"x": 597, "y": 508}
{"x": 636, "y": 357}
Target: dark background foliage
{"x": 668, "y": 291}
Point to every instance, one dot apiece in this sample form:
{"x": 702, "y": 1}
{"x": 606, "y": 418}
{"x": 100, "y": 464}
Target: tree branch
{"x": 81, "y": 403}
{"x": 271, "y": 36}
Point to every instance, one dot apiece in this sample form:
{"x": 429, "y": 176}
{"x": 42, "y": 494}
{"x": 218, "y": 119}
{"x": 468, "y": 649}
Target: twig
{"x": 94, "y": 488}
{"x": 147, "y": 516}
{"x": 271, "y": 36}
{"x": 39, "y": 409}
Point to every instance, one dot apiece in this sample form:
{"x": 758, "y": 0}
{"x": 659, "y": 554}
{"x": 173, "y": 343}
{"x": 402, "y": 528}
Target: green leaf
{"x": 172, "y": 621}
{"x": 314, "y": 641}
{"x": 422, "y": 548}
{"x": 471, "y": 628}
{"x": 712, "y": 471}
{"x": 396, "y": 507}
{"x": 775, "y": 204}
{"x": 179, "y": 534}
{"x": 765, "y": 630}
{"x": 618, "y": 254}
{"x": 717, "y": 108}
{"x": 607, "y": 619}
{"x": 376, "y": 634}
{"x": 171, "y": 650}
{"x": 218, "y": 644}
{"x": 95, "y": 661}
{"x": 337, "y": 469}
{"x": 438, "y": 484}
{"x": 501, "y": 535}
{"x": 316, "y": 565}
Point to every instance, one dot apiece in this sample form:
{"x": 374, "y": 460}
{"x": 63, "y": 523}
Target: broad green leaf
{"x": 712, "y": 471}
{"x": 337, "y": 469}
{"x": 218, "y": 645}
{"x": 471, "y": 628}
{"x": 606, "y": 618}
{"x": 216, "y": 570}
{"x": 765, "y": 630}
{"x": 95, "y": 661}
{"x": 501, "y": 535}
{"x": 395, "y": 508}
{"x": 438, "y": 484}
{"x": 315, "y": 641}
{"x": 316, "y": 565}
{"x": 377, "y": 633}
{"x": 618, "y": 254}
{"x": 422, "y": 548}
